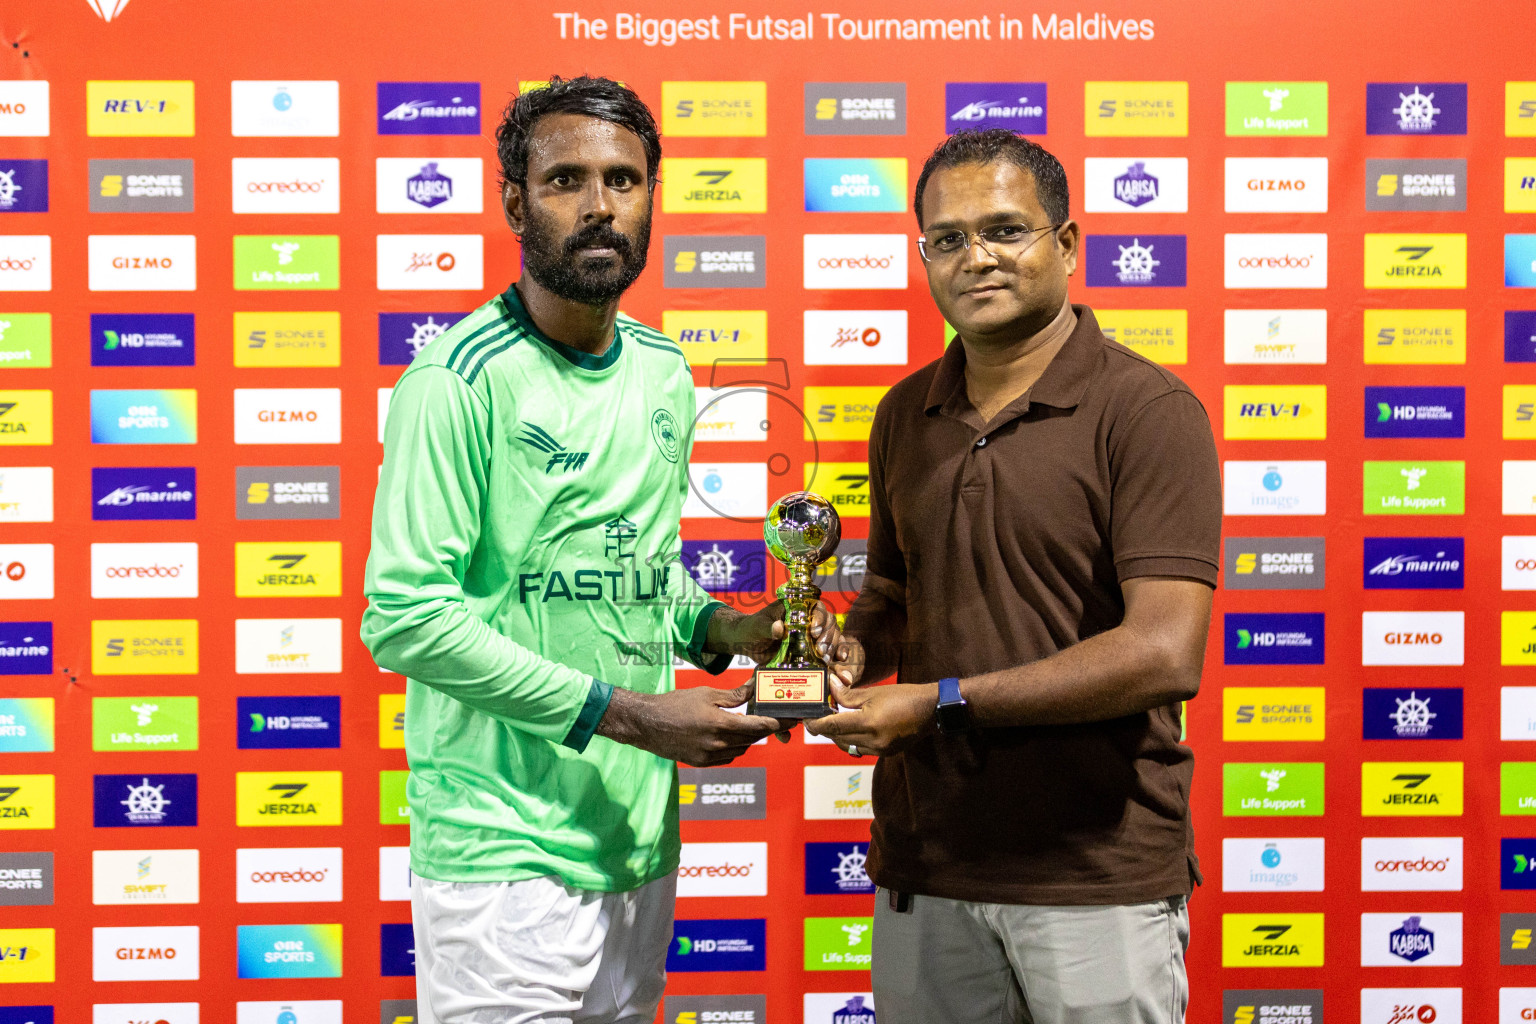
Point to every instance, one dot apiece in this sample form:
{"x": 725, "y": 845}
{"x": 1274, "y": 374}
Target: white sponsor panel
{"x": 1272, "y": 865}
{"x": 730, "y": 414}
{"x": 1412, "y": 638}
{"x": 141, "y": 263}
{"x": 1519, "y": 488}
{"x": 431, "y": 262}
{"x": 284, "y": 108}
{"x": 1411, "y": 864}
{"x": 121, "y": 877}
{"x": 287, "y": 646}
{"x": 1379, "y": 947}
{"x": 394, "y": 873}
{"x": 436, "y": 184}
{"x": 287, "y": 415}
{"x": 144, "y": 570}
{"x": 1517, "y": 1005}
{"x": 1139, "y": 184}
{"x": 1517, "y": 713}
{"x": 1518, "y": 559}
{"x": 26, "y": 572}
{"x": 1275, "y": 261}
{"x": 310, "y": 184}
{"x": 1276, "y": 336}
{"x": 719, "y": 489}
{"x": 723, "y": 869}
{"x": 1275, "y": 488}
{"x": 820, "y": 1006}
{"x": 145, "y": 954}
{"x": 1410, "y": 1005}
{"x": 855, "y": 337}
{"x": 382, "y": 408}
{"x": 1277, "y": 184}
{"x": 142, "y": 1013}
{"x": 856, "y": 261}
{"x": 23, "y": 109}
{"x": 288, "y": 875}
{"x": 26, "y": 494}
{"x": 26, "y": 263}
{"x": 292, "y": 1011}
{"x": 839, "y": 791}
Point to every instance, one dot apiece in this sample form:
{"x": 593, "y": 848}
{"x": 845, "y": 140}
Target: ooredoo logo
{"x": 1409, "y": 864}
{"x": 855, "y": 261}
{"x": 26, "y": 263}
{"x": 723, "y": 869}
{"x": 286, "y": 185}
{"x": 143, "y": 570}
{"x": 298, "y": 875}
{"x": 1276, "y": 261}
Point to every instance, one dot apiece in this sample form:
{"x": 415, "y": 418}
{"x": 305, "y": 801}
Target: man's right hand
{"x": 690, "y": 726}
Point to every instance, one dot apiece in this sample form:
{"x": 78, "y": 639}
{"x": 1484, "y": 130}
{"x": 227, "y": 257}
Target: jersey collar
{"x": 575, "y": 356}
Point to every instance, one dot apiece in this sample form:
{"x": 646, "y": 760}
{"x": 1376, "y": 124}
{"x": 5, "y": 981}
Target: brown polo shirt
{"x": 1010, "y": 540}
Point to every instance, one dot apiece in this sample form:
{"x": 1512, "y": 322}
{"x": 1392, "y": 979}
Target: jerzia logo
{"x": 537, "y": 437}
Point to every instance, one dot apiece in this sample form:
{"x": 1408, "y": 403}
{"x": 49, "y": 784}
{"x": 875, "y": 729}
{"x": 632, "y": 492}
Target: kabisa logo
{"x": 24, "y": 186}
{"x": 714, "y": 184}
{"x": 1415, "y": 185}
{"x": 284, "y": 108}
{"x": 287, "y": 798}
{"x": 402, "y": 336}
{"x": 139, "y": 108}
{"x": 1136, "y": 187}
{"x": 429, "y": 184}
{"x": 714, "y": 109}
{"x": 727, "y": 566}
{"x": 133, "y": 801}
{"x": 288, "y": 492}
{"x": 1414, "y": 563}
{"x": 1420, "y": 713}
{"x": 427, "y": 187}
{"x": 714, "y": 261}
{"x": 718, "y": 945}
{"x": 1281, "y": 638}
{"x": 1412, "y": 941}
{"x": 837, "y": 868}
{"x": 143, "y": 339}
{"x": 1017, "y": 106}
{"x": 1139, "y": 261}
{"x": 1272, "y": 1006}
{"x": 429, "y": 108}
{"x": 26, "y": 649}
{"x": 1416, "y": 108}
{"x": 855, "y": 108}
{"x": 141, "y": 186}
{"x": 1139, "y": 185}
{"x": 869, "y": 185}
{"x": 288, "y": 723}
{"x": 1416, "y": 412}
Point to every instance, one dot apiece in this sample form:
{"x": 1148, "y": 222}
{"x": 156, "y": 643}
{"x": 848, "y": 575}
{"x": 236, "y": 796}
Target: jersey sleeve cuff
{"x": 714, "y": 664}
{"x": 592, "y": 711}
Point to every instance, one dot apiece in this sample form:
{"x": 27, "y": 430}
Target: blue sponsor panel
{"x": 1416, "y": 713}
{"x": 26, "y": 648}
{"x": 832, "y": 868}
{"x": 870, "y": 185}
{"x": 143, "y": 492}
{"x": 397, "y": 951}
{"x": 288, "y": 723}
{"x": 23, "y": 186}
{"x": 429, "y": 108}
{"x": 735, "y": 944}
{"x": 145, "y": 799}
{"x": 1414, "y": 563}
{"x": 1520, "y": 335}
{"x": 1520, "y": 261}
{"x": 26, "y": 1015}
{"x": 1416, "y": 108}
{"x": 143, "y": 339}
{"x": 1416, "y": 412}
{"x": 1517, "y": 863}
{"x": 1278, "y": 638}
{"x": 727, "y": 566}
{"x": 1136, "y": 261}
{"x": 1017, "y": 106}
{"x": 402, "y": 336}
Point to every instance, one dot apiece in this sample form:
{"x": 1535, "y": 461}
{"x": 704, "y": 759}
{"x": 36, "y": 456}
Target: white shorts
{"x": 540, "y": 951}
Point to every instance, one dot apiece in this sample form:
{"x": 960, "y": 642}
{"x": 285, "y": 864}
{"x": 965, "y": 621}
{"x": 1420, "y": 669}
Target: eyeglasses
{"x": 995, "y": 239}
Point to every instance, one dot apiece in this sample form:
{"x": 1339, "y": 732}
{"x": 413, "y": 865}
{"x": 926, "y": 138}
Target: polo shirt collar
{"x": 1062, "y": 384}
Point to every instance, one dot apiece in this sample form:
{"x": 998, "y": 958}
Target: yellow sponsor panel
{"x": 1415, "y": 336}
{"x": 1415, "y": 261}
{"x": 1519, "y": 412}
{"x": 1298, "y": 412}
{"x": 1272, "y": 712}
{"x": 140, "y": 108}
{"x": 1411, "y": 788}
{"x": 288, "y": 798}
{"x": 26, "y": 801}
{"x": 392, "y": 721}
{"x": 844, "y": 484}
{"x": 1519, "y": 184}
{"x": 287, "y": 339}
{"x": 288, "y": 568}
{"x": 26, "y": 417}
{"x": 1271, "y": 940}
{"x": 714, "y": 109}
{"x": 1517, "y": 638}
{"x": 1161, "y": 335}
{"x": 714, "y": 184}
{"x": 841, "y": 414}
{"x": 1520, "y": 109}
{"x": 27, "y": 955}
{"x": 1135, "y": 108}
{"x": 144, "y": 647}
{"x": 707, "y": 335}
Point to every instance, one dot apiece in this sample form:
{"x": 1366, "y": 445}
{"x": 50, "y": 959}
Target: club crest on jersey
{"x": 666, "y": 435}
{"x": 568, "y": 461}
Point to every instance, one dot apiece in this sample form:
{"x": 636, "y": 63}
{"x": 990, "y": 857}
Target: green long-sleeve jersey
{"x": 525, "y": 561}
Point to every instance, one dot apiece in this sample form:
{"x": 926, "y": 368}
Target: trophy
{"x": 802, "y": 531}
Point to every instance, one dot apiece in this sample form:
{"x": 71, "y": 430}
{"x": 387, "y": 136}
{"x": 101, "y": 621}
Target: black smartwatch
{"x": 954, "y": 715}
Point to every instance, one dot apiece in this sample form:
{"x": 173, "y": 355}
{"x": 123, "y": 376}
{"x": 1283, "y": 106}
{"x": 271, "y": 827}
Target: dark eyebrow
{"x": 996, "y": 217}
{"x": 577, "y": 170}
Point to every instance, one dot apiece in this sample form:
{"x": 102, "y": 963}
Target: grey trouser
{"x": 953, "y": 962}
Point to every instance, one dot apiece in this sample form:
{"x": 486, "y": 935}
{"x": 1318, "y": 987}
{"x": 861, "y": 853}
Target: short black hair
{"x": 593, "y": 97}
{"x": 987, "y": 145}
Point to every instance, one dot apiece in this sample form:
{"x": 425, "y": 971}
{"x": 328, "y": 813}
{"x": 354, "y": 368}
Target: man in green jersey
{"x": 525, "y": 577}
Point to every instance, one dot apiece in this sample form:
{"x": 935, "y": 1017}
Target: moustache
{"x": 598, "y": 235}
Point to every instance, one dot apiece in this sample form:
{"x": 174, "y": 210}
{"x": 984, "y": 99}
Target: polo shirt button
{"x": 982, "y": 443}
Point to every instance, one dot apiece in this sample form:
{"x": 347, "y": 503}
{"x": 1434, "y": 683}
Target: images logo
{"x": 402, "y": 336}
{"x": 26, "y": 802}
{"x": 715, "y": 794}
{"x": 1277, "y": 108}
{"x": 134, "y": 801}
{"x": 1253, "y": 412}
{"x": 286, "y": 184}
{"x": 1275, "y": 488}
{"x": 1271, "y": 940}
{"x": 1421, "y": 713}
{"x": 714, "y": 109}
{"x": 1140, "y": 261}
{"x": 1272, "y": 865}
{"x": 141, "y": 186}
{"x": 1419, "y": 336}
{"x": 1417, "y": 788}
{"x": 23, "y": 109}
{"x": 429, "y": 108}
{"x": 141, "y": 647}
{"x": 430, "y": 262}
{"x": 718, "y": 945}
{"x": 1416, "y": 108}
{"x": 284, "y": 108}
{"x": 1273, "y": 713}
{"x": 855, "y": 108}
{"x": 1415, "y": 261}
{"x": 1282, "y": 638}
{"x": 143, "y": 339}
{"x": 24, "y": 186}
{"x": 1275, "y": 563}
{"x": 714, "y": 261}
{"x": 26, "y": 723}
{"x": 1277, "y": 185}
{"x": 1140, "y": 185}
{"x": 1413, "y": 563}
{"x": 870, "y": 185}
{"x": 1415, "y": 185}
{"x": 1416, "y": 412}
{"x": 138, "y": 109}
{"x": 1016, "y": 106}
{"x": 288, "y": 723}
{"x": 26, "y": 340}
{"x": 714, "y": 185}
{"x": 287, "y": 798}
{"x": 289, "y": 950}
{"x": 26, "y": 649}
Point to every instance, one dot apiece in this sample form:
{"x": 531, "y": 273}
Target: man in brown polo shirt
{"x": 1045, "y": 513}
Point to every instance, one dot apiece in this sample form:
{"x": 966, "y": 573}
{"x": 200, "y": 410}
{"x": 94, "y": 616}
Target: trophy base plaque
{"x": 789, "y": 693}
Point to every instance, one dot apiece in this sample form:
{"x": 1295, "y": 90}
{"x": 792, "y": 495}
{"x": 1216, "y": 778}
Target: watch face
{"x": 954, "y": 717}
